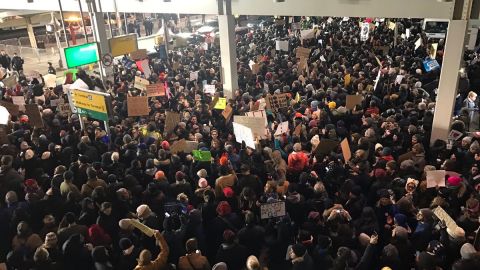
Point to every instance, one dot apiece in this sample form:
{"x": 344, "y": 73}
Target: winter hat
{"x": 220, "y": 266}
{"x": 179, "y": 176}
{"x": 202, "y": 183}
{"x": 454, "y": 181}
{"x": 401, "y": 220}
{"x": 125, "y": 243}
{"x": 228, "y": 192}
{"x": 202, "y": 173}
{"x": 299, "y": 250}
{"x": 159, "y": 175}
{"x": 223, "y": 208}
{"x": 165, "y": 145}
{"x": 332, "y": 105}
{"x": 378, "y": 146}
{"x": 467, "y": 251}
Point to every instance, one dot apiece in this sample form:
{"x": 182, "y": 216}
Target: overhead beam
{"x": 336, "y": 8}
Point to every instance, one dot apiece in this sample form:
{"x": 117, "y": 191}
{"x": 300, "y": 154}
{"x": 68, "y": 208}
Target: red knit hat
{"x": 228, "y": 192}
{"x": 223, "y": 208}
{"x": 165, "y": 145}
{"x": 454, "y": 181}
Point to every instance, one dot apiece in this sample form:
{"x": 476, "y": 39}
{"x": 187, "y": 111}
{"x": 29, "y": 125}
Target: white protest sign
{"x": 445, "y": 217}
{"x": 209, "y": 89}
{"x": 418, "y": 43}
{"x": 436, "y": 178}
{"x": 281, "y": 45}
{"x": 50, "y": 80}
{"x": 194, "y": 76}
{"x": 243, "y": 133}
{"x": 282, "y": 128}
{"x": 20, "y": 101}
{"x": 260, "y": 113}
{"x": 365, "y": 31}
{"x": 4, "y": 114}
{"x": 399, "y": 79}
{"x": 146, "y": 68}
{"x": 307, "y": 34}
{"x": 256, "y": 124}
{"x": 455, "y": 134}
{"x": 79, "y": 84}
{"x": 322, "y": 58}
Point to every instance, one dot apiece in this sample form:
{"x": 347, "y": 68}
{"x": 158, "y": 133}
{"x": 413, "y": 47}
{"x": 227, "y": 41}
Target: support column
{"x": 228, "y": 54}
{"x": 448, "y": 85}
{"x": 31, "y": 34}
{"x": 100, "y": 35}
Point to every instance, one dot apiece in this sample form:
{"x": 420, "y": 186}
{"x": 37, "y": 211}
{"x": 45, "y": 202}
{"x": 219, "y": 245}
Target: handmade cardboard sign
{"x": 11, "y": 108}
{"x": 221, "y": 104}
{"x": 155, "y": 90}
{"x": 303, "y": 52}
{"x": 201, "y": 155}
{"x": 20, "y": 101}
{"x": 281, "y": 45}
{"x": 256, "y": 124}
{"x": 445, "y": 217}
{"x": 353, "y": 100}
{"x": 347, "y": 154}
{"x": 171, "y": 121}
{"x": 178, "y": 146}
{"x": 277, "y": 101}
{"x": 141, "y": 83}
{"x": 194, "y": 76}
{"x": 138, "y": 106}
{"x": 139, "y": 55}
{"x": 227, "y": 112}
{"x": 34, "y": 115}
{"x": 282, "y": 128}
{"x": 326, "y": 146}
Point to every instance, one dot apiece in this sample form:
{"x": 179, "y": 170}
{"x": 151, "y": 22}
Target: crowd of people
{"x": 72, "y": 197}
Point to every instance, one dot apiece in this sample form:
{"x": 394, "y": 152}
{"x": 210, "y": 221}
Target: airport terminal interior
{"x": 239, "y": 135}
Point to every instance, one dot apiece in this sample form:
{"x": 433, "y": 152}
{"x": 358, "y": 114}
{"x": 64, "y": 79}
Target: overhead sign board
{"x": 123, "y": 44}
{"x": 90, "y": 103}
{"x": 81, "y": 55}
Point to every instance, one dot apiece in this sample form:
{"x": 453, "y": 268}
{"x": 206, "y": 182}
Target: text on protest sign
{"x": 272, "y": 210}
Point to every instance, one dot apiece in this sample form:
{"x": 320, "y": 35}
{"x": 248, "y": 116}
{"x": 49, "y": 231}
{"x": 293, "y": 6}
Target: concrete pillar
{"x": 31, "y": 34}
{"x": 100, "y": 35}
{"x": 228, "y": 54}
{"x": 448, "y": 85}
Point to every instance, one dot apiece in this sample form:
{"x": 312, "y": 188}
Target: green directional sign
{"x": 81, "y": 55}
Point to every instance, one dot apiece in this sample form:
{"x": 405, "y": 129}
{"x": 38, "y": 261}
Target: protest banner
{"x": 455, "y": 135}
{"x": 326, "y": 146}
{"x": 10, "y": 82}
{"x": 20, "y": 101}
{"x": 190, "y": 146}
{"x": 178, "y": 146}
{"x": 353, "y": 100}
{"x": 281, "y": 45}
{"x": 50, "y": 80}
{"x": 142, "y": 227}
{"x": 436, "y": 178}
{"x": 11, "y": 108}
{"x": 430, "y": 65}
{"x": 4, "y": 116}
{"x": 155, "y": 90}
{"x": 243, "y": 133}
{"x": 221, "y": 104}
{"x": 202, "y": 155}
{"x": 64, "y": 109}
{"x": 445, "y": 217}
{"x": 282, "y": 128}
{"x": 272, "y": 210}
{"x": 194, "y": 76}
{"x": 258, "y": 113}
{"x": 307, "y": 34}
{"x": 364, "y": 31}
{"x": 56, "y": 102}
{"x": 209, "y": 89}
{"x": 277, "y": 101}
{"x": 302, "y": 52}
{"x": 141, "y": 83}
{"x": 138, "y": 106}
{"x": 171, "y": 121}
{"x": 347, "y": 154}
{"x": 227, "y": 112}
{"x": 34, "y": 115}
{"x": 139, "y": 54}
{"x": 256, "y": 124}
